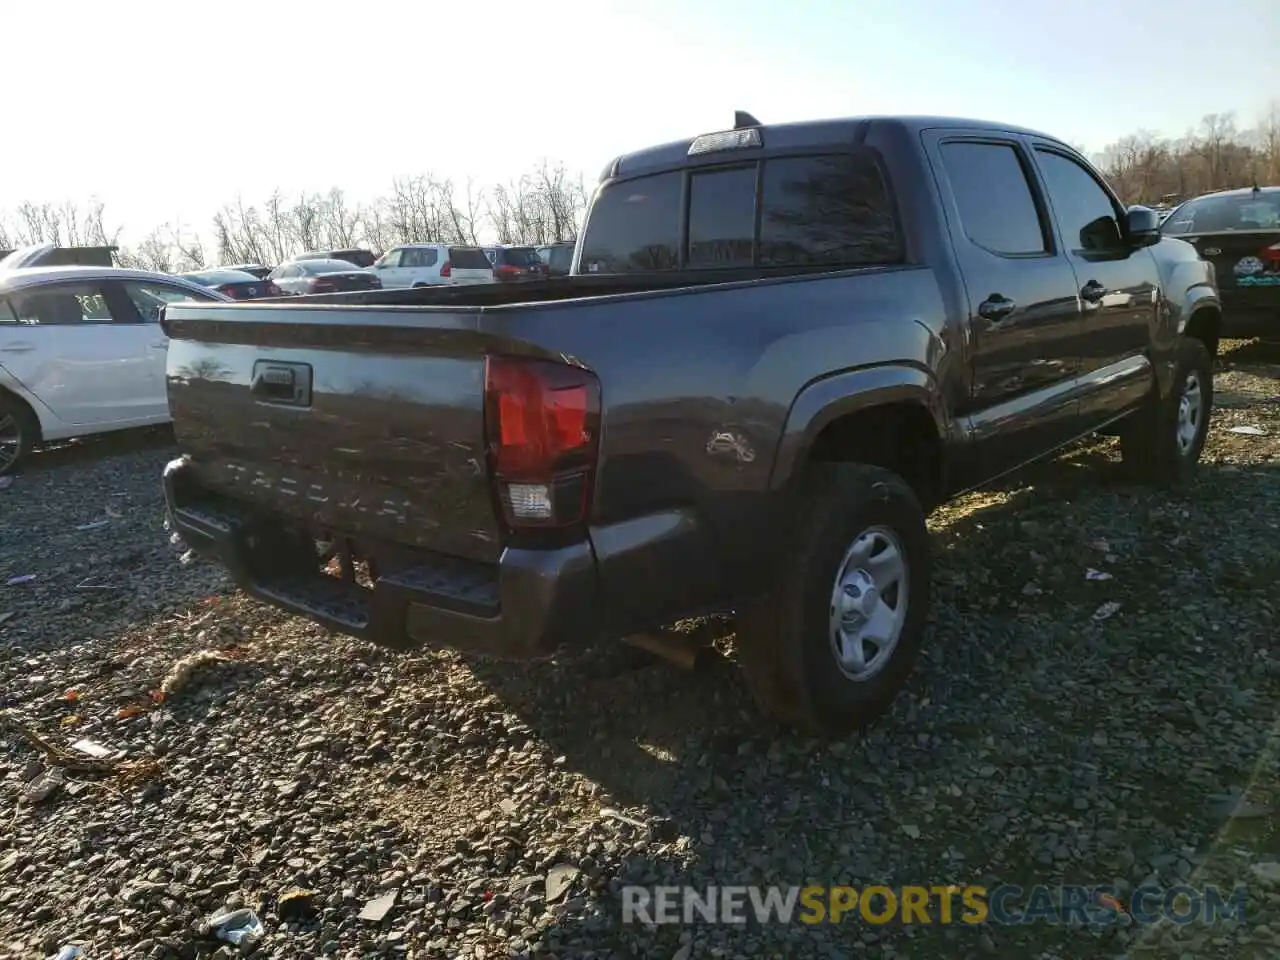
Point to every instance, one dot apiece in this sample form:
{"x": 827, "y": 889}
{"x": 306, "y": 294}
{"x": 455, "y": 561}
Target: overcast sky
{"x": 165, "y": 111}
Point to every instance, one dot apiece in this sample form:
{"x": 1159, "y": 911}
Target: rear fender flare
{"x": 823, "y": 401}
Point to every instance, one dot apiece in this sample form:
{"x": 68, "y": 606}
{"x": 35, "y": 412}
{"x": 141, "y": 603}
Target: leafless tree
{"x": 1144, "y": 168}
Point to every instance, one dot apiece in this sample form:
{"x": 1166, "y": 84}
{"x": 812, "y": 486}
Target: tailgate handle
{"x": 278, "y": 382}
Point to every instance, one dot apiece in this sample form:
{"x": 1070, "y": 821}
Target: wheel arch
{"x": 891, "y": 416}
{"x": 9, "y": 393}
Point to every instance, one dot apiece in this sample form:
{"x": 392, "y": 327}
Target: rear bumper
{"x": 528, "y": 605}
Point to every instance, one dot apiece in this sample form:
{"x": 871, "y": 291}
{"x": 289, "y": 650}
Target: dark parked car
{"x": 358, "y": 256}
{"x": 236, "y": 284}
{"x": 558, "y": 258}
{"x": 1238, "y": 231}
{"x": 322, "y": 276}
{"x": 516, "y": 263}
{"x": 256, "y": 269}
{"x": 787, "y": 345}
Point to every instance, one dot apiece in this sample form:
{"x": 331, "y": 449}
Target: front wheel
{"x": 830, "y": 648}
{"x": 1162, "y": 443}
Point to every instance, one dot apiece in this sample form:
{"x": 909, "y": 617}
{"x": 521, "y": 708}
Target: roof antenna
{"x": 742, "y": 120}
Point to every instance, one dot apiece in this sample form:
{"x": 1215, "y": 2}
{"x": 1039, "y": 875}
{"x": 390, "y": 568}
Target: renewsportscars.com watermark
{"x": 946, "y": 904}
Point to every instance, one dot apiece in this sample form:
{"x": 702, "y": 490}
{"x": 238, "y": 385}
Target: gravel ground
{"x": 500, "y": 807}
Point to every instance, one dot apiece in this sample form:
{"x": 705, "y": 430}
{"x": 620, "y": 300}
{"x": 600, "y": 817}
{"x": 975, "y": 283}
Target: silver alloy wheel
{"x": 10, "y": 440}
{"x": 869, "y": 603}
{"x": 1190, "y": 412}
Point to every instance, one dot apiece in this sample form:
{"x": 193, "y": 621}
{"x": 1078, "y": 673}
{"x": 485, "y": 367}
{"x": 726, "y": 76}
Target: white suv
{"x": 429, "y": 264}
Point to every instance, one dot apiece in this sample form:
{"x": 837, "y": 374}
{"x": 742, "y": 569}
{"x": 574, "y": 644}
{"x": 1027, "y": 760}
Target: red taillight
{"x": 505, "y": 271}
{"x": 272, "y": 290}
{"x": 1272, "y": 252}
{"x": 321, "y": 285}
{"x": 227, "y": 292}
{"x": 542, "y": 423}
{"x": 447, "y": 269}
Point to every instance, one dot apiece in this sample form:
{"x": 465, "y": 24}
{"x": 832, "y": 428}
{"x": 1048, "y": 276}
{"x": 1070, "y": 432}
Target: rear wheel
{"x": 829, "y": 650}
{"x": 1162, "y": 443}
{"x": 18, "y": 430}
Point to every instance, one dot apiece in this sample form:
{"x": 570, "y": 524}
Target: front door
{"x": 88, "y": 366}
{"x": 1119, "y": 288}
{"x": 390, "y": 269}
{"x": 1024, "y": 316}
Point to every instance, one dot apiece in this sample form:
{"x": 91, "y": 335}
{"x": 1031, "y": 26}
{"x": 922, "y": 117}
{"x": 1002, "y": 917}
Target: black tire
{"x": 1150, "y": 444}
{"x": 18, "y": 433}
{"x": 785, "y": 644}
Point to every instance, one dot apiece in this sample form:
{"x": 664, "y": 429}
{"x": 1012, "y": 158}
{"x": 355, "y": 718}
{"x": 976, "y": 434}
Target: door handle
{"x": 1093, "y": 291}
{"x": 996, "y": 307}
{"x": 160, "y": 343}
{"x": 17, "y": 348}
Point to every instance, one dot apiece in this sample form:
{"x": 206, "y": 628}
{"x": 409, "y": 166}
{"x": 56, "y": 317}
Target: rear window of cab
{"x": 829, "y": 210}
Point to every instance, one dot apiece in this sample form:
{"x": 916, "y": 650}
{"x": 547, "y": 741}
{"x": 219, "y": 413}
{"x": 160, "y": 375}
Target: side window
{"x": 390, "y": 259}
{"x": 6, "y": 313}
{"x": 722, "y": 218}
{"x": 419, "y": 257}
{"x": 1182, "y": 223}
{"x": 148, "y": 298}
{"x": 832, "y": 209}
{"x": 634, "y": 226}
{"x": 997, "y": 209}
{"x": 1084, "y": 210}
{"x": 62, "y": 304}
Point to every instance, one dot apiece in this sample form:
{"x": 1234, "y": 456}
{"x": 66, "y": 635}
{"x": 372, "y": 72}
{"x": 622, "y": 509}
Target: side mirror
{"x": 1142, "y": 226}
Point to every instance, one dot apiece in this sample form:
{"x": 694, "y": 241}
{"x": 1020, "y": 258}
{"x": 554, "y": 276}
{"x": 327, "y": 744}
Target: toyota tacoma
{"x": 780, "y": 346}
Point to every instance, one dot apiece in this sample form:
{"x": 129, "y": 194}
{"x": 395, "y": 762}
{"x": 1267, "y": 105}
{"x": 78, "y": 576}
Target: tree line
{"x": 546, "y": 204}
{"x": 543, "y": 205}
{"x": 1218, "y": 154}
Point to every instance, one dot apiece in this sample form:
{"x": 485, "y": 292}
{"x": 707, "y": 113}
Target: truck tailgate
{"x": 362, "y": 421}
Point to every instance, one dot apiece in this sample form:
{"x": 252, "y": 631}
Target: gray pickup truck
{"x": 780, "y": 347}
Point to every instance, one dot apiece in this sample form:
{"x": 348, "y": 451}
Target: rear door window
{"x": 149, "y": 298}
{"x": 63, "y": 304}
{"x": 561, "y": 258}
{"x": 391, "y": 259}
{"x": 361, "y": 258}
{"x": 520, "y": 256}
{"x": 997, "y": 209}
{"x": 635, "y": 226}
{"x": 722, "y": 218}
{"x": 419, "y": 257}
{"x": 469, "y": 258}
{"x": 833, "y": 209}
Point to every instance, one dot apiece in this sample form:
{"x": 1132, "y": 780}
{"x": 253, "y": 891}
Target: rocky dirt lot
{"x": 435, "y": 807}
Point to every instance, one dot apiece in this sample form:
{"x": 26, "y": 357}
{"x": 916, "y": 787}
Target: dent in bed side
{"x": 840, "y": 394}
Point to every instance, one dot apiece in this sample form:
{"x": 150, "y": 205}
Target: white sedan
{"x": 82, "y": 352}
